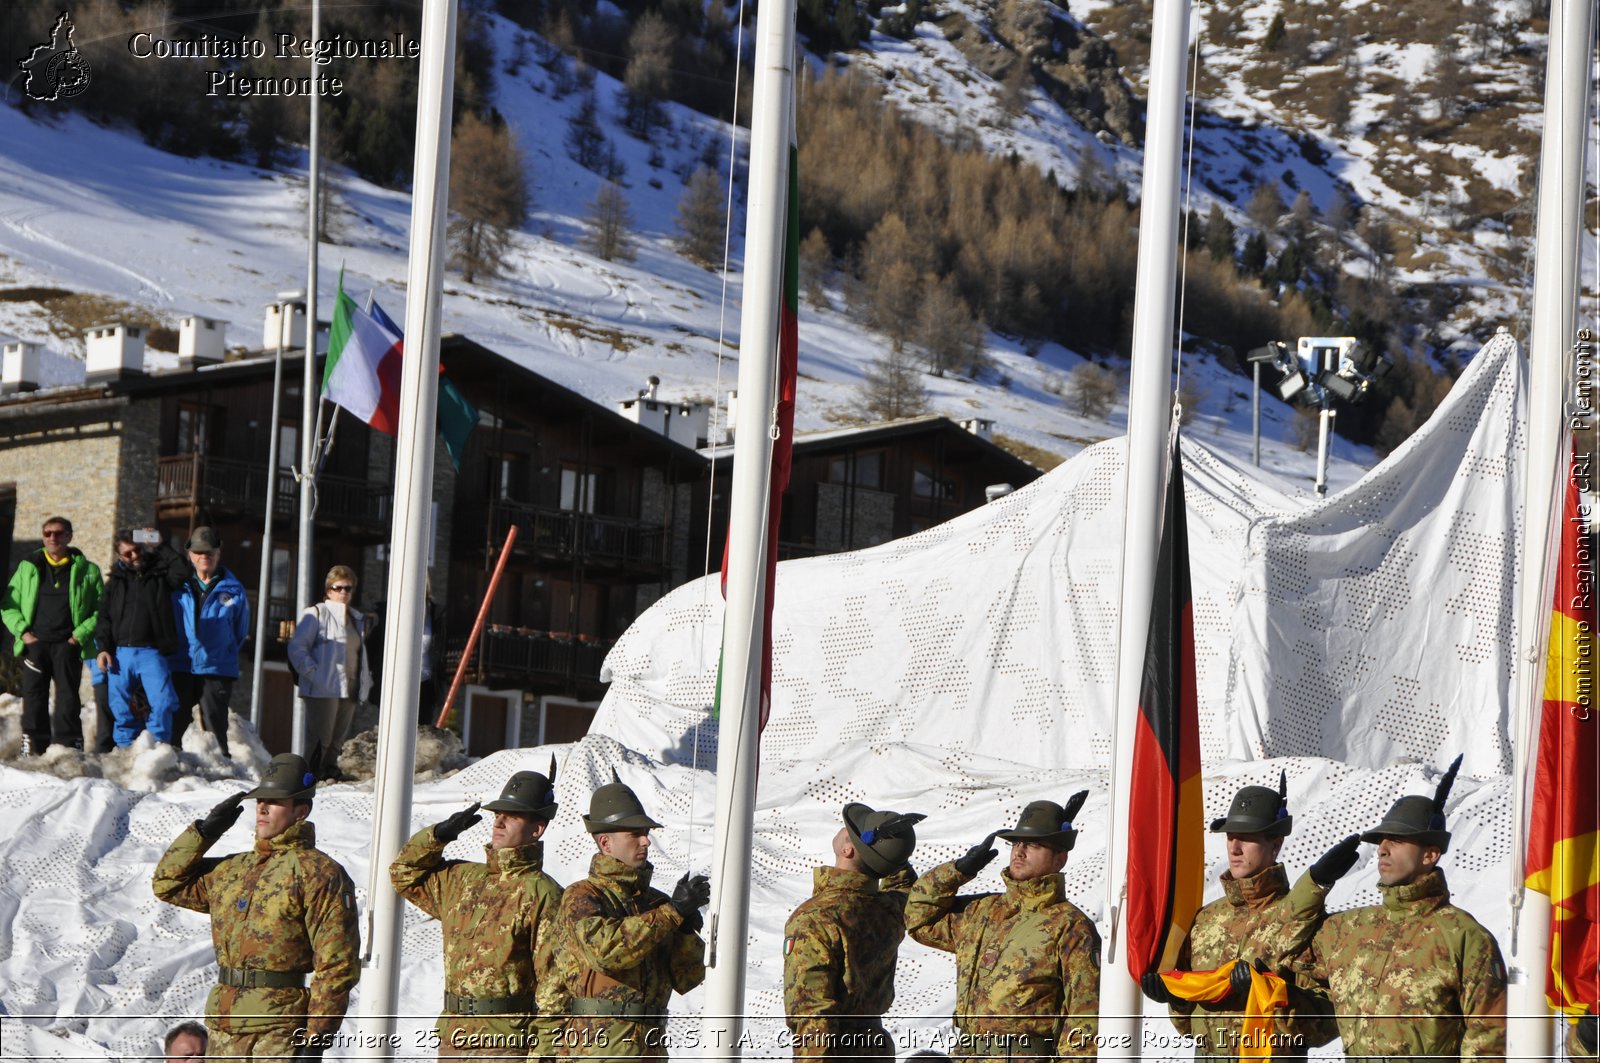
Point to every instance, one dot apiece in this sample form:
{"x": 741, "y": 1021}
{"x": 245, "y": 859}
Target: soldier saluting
{"x": 281, "y": 912}
{"x": 1414, "y": 976}
{"x": 840, "y": 945}
{"x": 498, "y": 922}
{"x": 1027, "y": 960}
{"x": 1251, "y": 924}
{"x": 623, "y": 947}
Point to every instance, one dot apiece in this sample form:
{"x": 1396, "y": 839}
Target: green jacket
{"x": 1252, "y": 921}
{"x": 1027, "y": 960}
{"x": 620, "y": 942}
{"x": 498, "y": 920}
{"x": 839, "y": 951}
{"x": 283, "y": 905}
{"x": 1414, "y": 976}
{"x": 83, "y": 598}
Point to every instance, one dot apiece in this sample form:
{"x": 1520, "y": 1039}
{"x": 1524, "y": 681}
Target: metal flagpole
{"x": 1555, "y": 300}
{"x": 739, "y": 730}
{"x": 264, "y": 586}
{"x": 1149, "y": 421}
{"x": 419, "y": 399}
{"x": 308, "y": 386}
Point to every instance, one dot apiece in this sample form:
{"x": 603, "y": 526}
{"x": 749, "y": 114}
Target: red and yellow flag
{"x": 1166, "y": 823}
{"x": 1563, "y": 858}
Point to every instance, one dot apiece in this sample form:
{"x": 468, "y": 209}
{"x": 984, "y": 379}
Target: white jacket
{"x": 317, "y": 651}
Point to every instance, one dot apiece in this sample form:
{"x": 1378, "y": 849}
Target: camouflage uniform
{"x": 1252, "y": 921}
{"x": 284, "y": 906}
{"x": 621, "y": 947}
{"x": 498, "y": 919}
{"x": 1414, "y": 976}
{"x": 1027, "y": 963}
{"x": 839, "y": 950}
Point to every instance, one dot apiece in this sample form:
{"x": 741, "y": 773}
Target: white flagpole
{"x": 1557, "y": 230}
{"x": 419, "y": 383}
{"x": 1149, "y": 420}
{"x": 739, "y": 732}
{"x": 308, "y": 385}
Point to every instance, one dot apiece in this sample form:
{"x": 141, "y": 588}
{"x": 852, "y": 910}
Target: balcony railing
{"x": 565, "y": 533}
{"x": 228, "y": 485}
{"x": 522, "y": 653}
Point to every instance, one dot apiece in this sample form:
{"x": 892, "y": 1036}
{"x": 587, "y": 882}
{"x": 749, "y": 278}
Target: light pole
{"x": 1320, "y": 371}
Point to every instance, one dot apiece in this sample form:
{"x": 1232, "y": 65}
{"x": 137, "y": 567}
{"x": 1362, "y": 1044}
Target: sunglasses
{"x": 341, "y": 588}
{"x": 130, "y": 554}
{"x": 55, "y": 533}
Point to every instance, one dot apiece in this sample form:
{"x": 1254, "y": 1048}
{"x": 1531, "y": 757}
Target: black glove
{"x": 220, "y": 818}
{"x": 1336, "y": 862}
{"x": 1155, "y": 988}
{"x": 692, "y": 923}
{"x": 454, "y": 826}
{"x": 1239, "y": 978}
{"x": 1585, "y": 1033}
{"x": 691, "y": 894}
{"x": 977, "y": 858}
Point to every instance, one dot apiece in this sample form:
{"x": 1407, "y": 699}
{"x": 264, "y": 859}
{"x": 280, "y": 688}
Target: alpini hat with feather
{"x": 615, "y": 807}
{"x": 884, "y": 840}
{"x": 1258, "y": 810}
{"x": 527, "y": 793}
{"x": 1417, "y": 817}
{"x": 288, "y": 778}
{"x": 1048, "y": 823}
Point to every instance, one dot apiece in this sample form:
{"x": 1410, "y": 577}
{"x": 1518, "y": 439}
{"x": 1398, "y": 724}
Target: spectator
{"x": 213, "y": 616}
{"x": 185, "y": 1042}
{"x": 328, "y": 654}
{"x": 137, "y": 631}
{"x": 51, "y": 606}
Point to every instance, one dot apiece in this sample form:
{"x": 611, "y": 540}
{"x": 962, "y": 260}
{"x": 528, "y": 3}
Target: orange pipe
{"x": 477, "y": 627}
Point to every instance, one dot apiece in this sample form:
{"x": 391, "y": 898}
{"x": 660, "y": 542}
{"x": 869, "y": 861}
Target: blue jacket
{"x": 213, "y": 635}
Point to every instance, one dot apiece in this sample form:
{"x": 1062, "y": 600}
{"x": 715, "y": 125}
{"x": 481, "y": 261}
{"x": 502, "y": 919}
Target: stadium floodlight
{"x": 1273, "y": 353}
{"x": 1349, "y": 389}
{"x": 1292, "y": 385}
{"x": 1381, "y": 367}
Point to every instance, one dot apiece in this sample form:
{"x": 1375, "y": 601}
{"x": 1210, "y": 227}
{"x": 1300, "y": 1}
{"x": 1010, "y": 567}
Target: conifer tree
{"x": 488, "y": 195}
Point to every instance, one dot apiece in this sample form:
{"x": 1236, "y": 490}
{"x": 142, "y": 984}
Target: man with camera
{"x": 138, "y": 631}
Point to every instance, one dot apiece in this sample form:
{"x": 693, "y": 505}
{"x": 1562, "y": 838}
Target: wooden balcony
{"x": 523, "y": 654}
{"x": 228, "y": 487}
{"x": 564, "y": 534}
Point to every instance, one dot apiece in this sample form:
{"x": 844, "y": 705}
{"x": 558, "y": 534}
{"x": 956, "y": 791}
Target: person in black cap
{"x": 625, "y": 947}
{"x": 1413, "y": 976}
{"x": 840, "y": 945}
{"x": 498, "y": 921}
{"x": 1250, "y": 925}
{"x": 213, "y": 622}
{"x": 280, "y": 912}
{"x": 1027, "y": 960}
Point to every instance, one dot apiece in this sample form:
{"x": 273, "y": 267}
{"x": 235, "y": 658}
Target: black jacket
{"x": 137, "y": 609}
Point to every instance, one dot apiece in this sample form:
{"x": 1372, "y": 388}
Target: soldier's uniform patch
{"x": 788, "y": 945}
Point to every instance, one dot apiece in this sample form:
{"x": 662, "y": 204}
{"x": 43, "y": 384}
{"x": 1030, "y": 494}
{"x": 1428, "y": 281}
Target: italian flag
{"x": 362, "y": 373}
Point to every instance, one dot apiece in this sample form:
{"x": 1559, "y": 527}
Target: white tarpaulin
{"x": 1357, "y": 642}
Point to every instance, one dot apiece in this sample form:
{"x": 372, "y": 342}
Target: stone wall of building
{"x": 71, "y": 472}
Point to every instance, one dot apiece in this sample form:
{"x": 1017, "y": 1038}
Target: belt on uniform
{"x": 616, "y": 1009}
{"x": 255, "y": 978}
{"x": 457, "y": 1004}
{"x": 1007, "y": 1044}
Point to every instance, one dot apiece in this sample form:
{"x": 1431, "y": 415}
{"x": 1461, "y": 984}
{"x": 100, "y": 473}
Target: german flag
{"x": 1563, "y": 857}
{"x": 1166, "y": 827}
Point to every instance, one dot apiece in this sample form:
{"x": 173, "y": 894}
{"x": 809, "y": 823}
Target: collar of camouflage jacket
{"x": 1038, "y": 892}
{"x": 1419, "y": 896}
{"x": 1259, "y": 890}
{"x": 514, "y": 860}
{"x": 838, "y": 880}
{"x": 629, "y": 880}
{"x": 301, "y": 835}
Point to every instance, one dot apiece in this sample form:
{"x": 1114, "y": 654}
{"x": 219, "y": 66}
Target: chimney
{"x": 733, "y": 415}
{"x": 994, "y": 491}
{"x": 19, "y": 366}
{"x": 651, "y": 384}
{"x": 200, "y": 340}
{"x": 981, "y": 427}
{"x": 112, "y": 351}
{"x": 285, "y": 322}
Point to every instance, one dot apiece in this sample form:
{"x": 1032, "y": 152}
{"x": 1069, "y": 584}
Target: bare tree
{"x": 702, "y": 218}
{"x": 610, "y": 224}
{"x": 892, "y": 387}
{"x": 1266, "y": 207}
{"x": 488, "y": 195}
{"x": 1092, "y": 390}
{"x": 946, "y": 329}
{"x": 816, "y": 262}
{"x": 648, "y": 77}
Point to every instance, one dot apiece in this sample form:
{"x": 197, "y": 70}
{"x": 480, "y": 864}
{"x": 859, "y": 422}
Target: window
{"x": 288, "y": 446}
{"x": 508, "y": 477}
{"x": 578, "y": 490}
{"x": 863, "y": 469}
{"x": 195, "y": 426}
{"x": 924, "y": 484}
